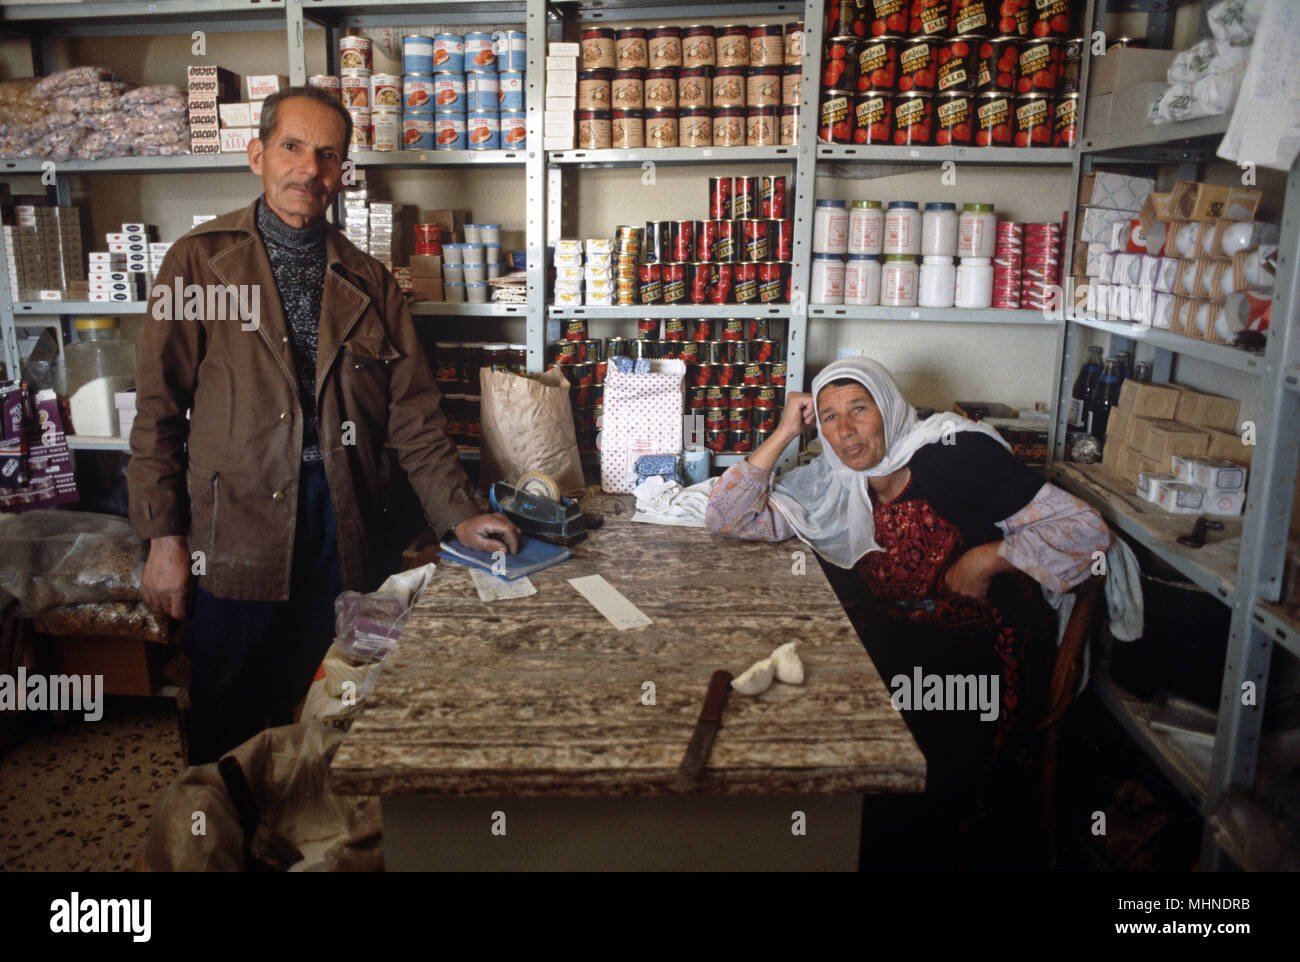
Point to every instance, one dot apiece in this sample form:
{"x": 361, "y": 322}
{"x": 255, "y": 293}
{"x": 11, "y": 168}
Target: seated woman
{"x": 935, "y": 538}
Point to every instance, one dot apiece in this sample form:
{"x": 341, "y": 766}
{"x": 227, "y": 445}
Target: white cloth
{"x": 826, "y": 502}
{"x": 659, "y": 501}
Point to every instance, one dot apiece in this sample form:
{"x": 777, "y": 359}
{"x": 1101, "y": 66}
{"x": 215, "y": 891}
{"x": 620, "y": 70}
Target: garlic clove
{"x": 755, "y": 679}
{"x": 789, "y": 668}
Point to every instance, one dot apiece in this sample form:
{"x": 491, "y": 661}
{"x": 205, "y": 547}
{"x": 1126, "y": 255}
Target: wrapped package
{"x": 57, "y": 83}
{"x": 107, "y": 619}
{"x": 51, "y": 559}
{"x": 1235, "y": 21}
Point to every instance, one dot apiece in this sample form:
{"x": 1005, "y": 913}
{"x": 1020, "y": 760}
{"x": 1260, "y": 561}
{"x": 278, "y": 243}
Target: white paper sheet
{"x": 1265, "y": 125}
{"x": 491, "y": 588}
{"x": 610, "y": 602}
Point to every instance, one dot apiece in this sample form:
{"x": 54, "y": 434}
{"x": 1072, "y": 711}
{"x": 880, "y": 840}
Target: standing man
{"x": 296, "y": 358}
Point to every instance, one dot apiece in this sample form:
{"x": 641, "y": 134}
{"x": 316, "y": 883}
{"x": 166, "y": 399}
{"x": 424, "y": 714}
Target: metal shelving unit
{"x": 929, "y": 315}
{"x": 672, "y": 310}
{"x": 1241, "y": 566}
{"x": 885, "y": 154}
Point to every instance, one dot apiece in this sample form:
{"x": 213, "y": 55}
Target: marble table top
{"x": 543, "y": 696}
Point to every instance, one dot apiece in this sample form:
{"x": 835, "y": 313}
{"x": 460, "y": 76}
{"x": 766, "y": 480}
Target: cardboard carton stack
{"x": 125, "y": 271}
{"x": 43, "y": 251}
{"x": 209, "y": 87}
{"x": 239, "y": 120}
{"x": 561, "y": 96}
{"x": 1178, "y": 448}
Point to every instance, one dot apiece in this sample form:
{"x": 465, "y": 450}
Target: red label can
{"x": 886, "y": 16}
{"x": 783, "y": 230}
{"x": 873, "y": 117}
{"x": 953, "y": 120}
{"x": 720, "y": 289}
{"x": 764, "y": 420}
{"x": 566, "y": 353}
{"x": 754, "y": 374}
{"x": 740, "y": 396}
{"x": 765, "y": 399}
{"x": 771, "y": 197}
{"x": 1033, "y": 124}
{"x": 762, "y": 351}
{"x": 913, "y": 119}
{"x": 674, "y": 329}
{"x": 835, "y": 120}
{"x": 725, "y": 374}
{"x": 772, "y": 279}
{"x": 1040, "y": 67}
{"x": 994, "y": 120}
{"x": 746, "y": 275}
{"x": 997, "y": 65}
{"x": 1065, "y": 121}
{"x": 878, "y": 63}
{"x": 647, "y": 329}
{"x": 733, "y": 330}
{"x": 744, "y": 197}
{"x": 715, "y": 419}
{"x": 651, "y": 289}
{"x": 777, "y": 375}
{"x": 741, "y": 441}
{"x": 689, "y": 351}
{"x": 1051, "y": 18}
{"x": 916, "y": 61}
{"x": 702, "y": 330}
{"x": 928, "y": 17}
{"x": 681, "y": 240}
{"x": 719, "y": 197}
{"x": 840, "y": 66}
{"x": 955, "y": 69}
{"x": 976, "y": 16}
{"x": 575, "y": 329}
{"x": 706, "y": 239}
{"x": 757, "y": 240}
{"x": 726, "y": 250}
{"x": 701, "y": 274}
{"x": 674, "y": 283}
{"x": 695, "y": 398}
{"x": 700, "y": 375}
{"x": 738, "y": 419}
{"x": 715, "y": 441}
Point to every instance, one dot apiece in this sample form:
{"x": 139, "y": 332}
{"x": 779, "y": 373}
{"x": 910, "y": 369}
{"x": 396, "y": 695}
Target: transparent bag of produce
{"x": 51, "y": 559}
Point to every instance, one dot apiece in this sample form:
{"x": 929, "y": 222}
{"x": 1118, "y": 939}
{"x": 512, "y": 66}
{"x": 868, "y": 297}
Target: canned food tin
{"x": 873, "y": 117}
{"x": 733, "y": 46}
{"x": 773, "y": 282}
{"x": 674, "y": 283}
{"x": 764, "y": 424}
{"x": 763, "y": 87}
{"x": 994, "y": 119}
{"x": 1040, "y": 67}
{"x": 928, "y": 17}
{"x": 363, "y": 131}
{"x": 661, "y": 128}
{"x": 886, "y": 16}
{"x": 762, "y": 350}
{"x": 656, "y": 242}
{"x": 777, "y": 374}
{"x": 449, "y": 52}
{"x": 666, "y": 47}
{"x": 385, "y": 91}
{"x": 702, "y": 329}
{"x": 328, "y": 82}
{"x": 715, "y": 418}
{"x": 840, "y": 65}
{"x": 794, "y": 42}
{"x": 418, "y": 94}
{"x": 689, "y": 352}
{"x": 356, "y": 92}
{"x": 715, "y": 440}
{"x": 788, "y": 118}
{"x": 480, "y": 52}
{"x": 791, "y": 78}
{"x": 615, "y": 346}
{"x": 598, "y": 49}
{"x": 766, "y": 45}
{"x": 514, "y": 129}
{"x": 721, "y": 283}
{"x": 754, "y": 374}
{"x": 694, "y": 87}
{"x": 628, "y": 129}
{"x": 695, "y": 399}
{"x": 714, "y": 352}
{"x": 510, "y": 90}
{"x": 650, "y": 289}
{"x": 417, "y": 54}
{"x": 783, "y": 238}
{"x": 760, "y": 126}
{"x": 355, "y": 53}
{"x": 594, "y": 131}
{"x": 1065, "y": 121}
{"x": 955, "y": 69}
{"x": 512, "y": 49}
{"x": 757, "y": 240}
{"x": 447, "y": 130}
{"x": 916, "y": 64}
{"x": 729, "y": 87}
{"x": 387, "y": 129}
{"x": 740, "y": 396}
{"x": 913, "y": 119}
{"x": 878, "y": 63}
{"x": 661, "y": 88}
{"x": 1033, "y": 122}
{"x": 974, "y": 16}
{"x": 997, "y": 65}
{"x": 739, "y": 418}
{"x": 575, "y": 329}
{"x": 674, "y": 329}
{"x": 630, "y": 52}
{"x": 627, "y": 90}
{"x": 740, "y": 441}
{"x": 952, "y": 119}
{"x": 449, "y": 92}
{"x": 771, "y": 197}
{"x": 594, "y": 91}
{"x": 727, "y": 246}
{"x": 759, "y": 329}
{"x": 719, "y": 197}
{"x": 698, "y": 47}
{"x": 1051, "y": 18}
{"x": 484, "y": 129}
{"x": 706, "y": 238}
{"x": 726, "y": 374}
{"x": 746, "y": 282}
{"x": 700, "y": 276}
{"x": 744, "y": 197}
{"x": 681, "y": 240}
{"x": 1071, "y": 65}
{"x": 694, "y": 127}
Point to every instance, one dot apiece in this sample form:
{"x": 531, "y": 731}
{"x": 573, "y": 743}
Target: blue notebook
{"x": 533, "y": 555}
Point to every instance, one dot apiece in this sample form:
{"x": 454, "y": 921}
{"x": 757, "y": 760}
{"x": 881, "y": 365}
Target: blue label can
{"x": 417, "y": 131}
{"x": 480, "y": 52}
{"x": 484, "y": 129}
{"x": 449, "y": 130}
{"x": 417, "y": 54}
{"x": 512, "y": 49}
{"x": 449, "y": 52}
{"x": 511, "y": 89}
{"x": 481, "y": 90}
{"x": 514, "y": 129}
{"x": 449, "y": 91}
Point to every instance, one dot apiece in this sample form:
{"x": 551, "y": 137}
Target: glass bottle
{"x": 1104, "y": 397}
{"x": 100, "y": 365}
{"x": 1143, "y": 372}
{"x": 1125, "y": 365}
{"x": 1083, "y": 387}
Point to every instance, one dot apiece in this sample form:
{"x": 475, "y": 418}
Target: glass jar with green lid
{"x": 977, "y": 230}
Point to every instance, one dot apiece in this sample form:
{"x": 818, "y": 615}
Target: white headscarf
{"x": 826, "y": 502}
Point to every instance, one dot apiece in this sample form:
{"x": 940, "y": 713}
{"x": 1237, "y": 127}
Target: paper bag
{"x": 527, "y": 425}
{"x": 643, "y": 415}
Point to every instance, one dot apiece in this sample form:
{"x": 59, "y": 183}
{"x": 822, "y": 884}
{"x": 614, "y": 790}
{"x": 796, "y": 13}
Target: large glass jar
{"x": 100, "y": 364}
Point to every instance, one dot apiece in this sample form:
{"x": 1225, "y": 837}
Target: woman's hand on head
{"x": 799, "y": 414}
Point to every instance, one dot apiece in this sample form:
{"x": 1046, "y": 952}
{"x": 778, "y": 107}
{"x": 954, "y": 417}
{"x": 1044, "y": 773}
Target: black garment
{"x": 297, "y": 257}
{"x": 251, "y": 662}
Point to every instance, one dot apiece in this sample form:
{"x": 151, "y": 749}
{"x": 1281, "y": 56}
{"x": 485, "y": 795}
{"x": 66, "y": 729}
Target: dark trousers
{"x": 251, "y": 662}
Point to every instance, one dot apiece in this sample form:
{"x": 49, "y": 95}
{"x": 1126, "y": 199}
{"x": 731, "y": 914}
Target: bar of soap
{"x": 789, "y": 668}
{"x": 755, "y": 679}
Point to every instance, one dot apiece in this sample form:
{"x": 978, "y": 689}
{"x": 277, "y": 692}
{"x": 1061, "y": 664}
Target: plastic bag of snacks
{"x": 1235, "y": 21}
{"x": 49, "y": 559}
{"x": 643, "y": 415}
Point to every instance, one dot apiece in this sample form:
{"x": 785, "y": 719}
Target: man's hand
{"x": 488, "y": 532}
{"x": 165, "y": 583}
{"x": 971, "y": 576}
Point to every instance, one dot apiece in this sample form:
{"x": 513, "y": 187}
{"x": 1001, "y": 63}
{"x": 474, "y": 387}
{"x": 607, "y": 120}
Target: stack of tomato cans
{"x": 1008, "y": 260}
{"x": 1041, "y": 270}
{"x": 628, "y": 253}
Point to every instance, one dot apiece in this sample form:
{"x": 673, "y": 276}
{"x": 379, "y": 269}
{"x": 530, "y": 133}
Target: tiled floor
{"x": 80, "y": 798}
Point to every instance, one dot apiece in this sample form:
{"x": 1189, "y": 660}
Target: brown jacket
{"x": 229, "y": 476}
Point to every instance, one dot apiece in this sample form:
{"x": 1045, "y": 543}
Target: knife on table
{"x": 706, "y": 730}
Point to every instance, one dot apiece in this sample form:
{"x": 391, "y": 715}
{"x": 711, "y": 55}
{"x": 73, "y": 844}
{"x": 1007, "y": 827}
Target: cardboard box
{"x": 426, "y": 265}
{"x": 451, "y": 221}
{"x": 1110, "y": 456}
{"x": 1149, "y": 483}
{"x": 235, "y": 139}
{"x": 129, "y": 666}
{"x": 1179, "y": 498}
{"x": 1095, "y": 223}
{"x": 1166, "y": 438}
{"x": 1212, "y": 411}
{"x": 1130, "y": 464}
{"x": 1228, "y": 447}
{"x": 1126, "y": 67}
{"x": 1117, "y": 425}
{"x": 1114, "y": 191}
{"x": 233, "y": 115}
{"x": 1131, "y": 106}
{"x": 1193, "y": 200}
{"x": 1224, "y": 502}
{"x": 261, "y": 86}
{"x": 1148, "y": 400}
{"x": 427, "y": 289}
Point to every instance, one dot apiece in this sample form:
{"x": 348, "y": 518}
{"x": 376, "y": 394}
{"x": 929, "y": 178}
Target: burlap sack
{"x": 527, "y": 425}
